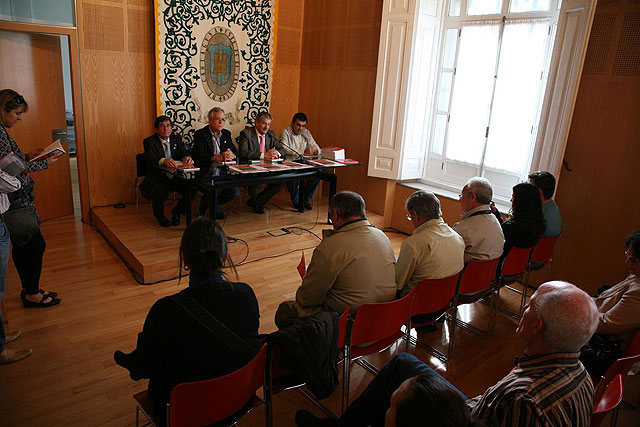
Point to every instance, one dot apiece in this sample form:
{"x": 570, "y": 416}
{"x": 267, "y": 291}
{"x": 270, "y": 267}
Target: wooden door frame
{"x": 76, "y": 90}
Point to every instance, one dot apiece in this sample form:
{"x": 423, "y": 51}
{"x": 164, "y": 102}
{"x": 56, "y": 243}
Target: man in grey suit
{"x": 259, "y": 143}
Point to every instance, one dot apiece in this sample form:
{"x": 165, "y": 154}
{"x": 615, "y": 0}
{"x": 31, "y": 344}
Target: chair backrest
{"x": 477, "y": 276}
{"x": 515, "y": 262}
{"x": 609, "y": 400}
{"x": 380, "y": 322}
{"x": 633, "y": 348}
{"x": 619, "y": 367}
{"x": 543, "y": 250}
{"x": 342, "y": 327}
{"x": 433, "y": 295}
{"x": 141, "y": 166}
{"x": 205, "y": 402}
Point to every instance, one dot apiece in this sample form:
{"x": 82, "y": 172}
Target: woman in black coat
{"x": 174, "y": 347}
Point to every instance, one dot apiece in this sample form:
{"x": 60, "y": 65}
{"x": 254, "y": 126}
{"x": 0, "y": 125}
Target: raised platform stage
{"x": 151, "y": 251}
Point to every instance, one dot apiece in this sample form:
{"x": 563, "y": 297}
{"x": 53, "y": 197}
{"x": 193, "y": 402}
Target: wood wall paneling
{"x": 118, "y": 83}
{"x": 31, "y": 64}
{"x": 599, "y": 197}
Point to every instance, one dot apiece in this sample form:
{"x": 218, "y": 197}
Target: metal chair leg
{"x": 345, "y": 378}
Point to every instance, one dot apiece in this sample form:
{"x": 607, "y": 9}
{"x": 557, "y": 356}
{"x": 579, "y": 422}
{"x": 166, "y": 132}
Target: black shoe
{"x": 308, "y": 206}
{"x": 250, "y": 203}
{"x": 44, "y": 293}
{"x": 258, "y": 209}
{"x": 175, "y": 217}
{"x": 305, "y": 418}
{"x": 163, "y": 221}
{"x": 125, "y": 360}
{"x": 31, "y": 304}
{"x": 221, "y": 215}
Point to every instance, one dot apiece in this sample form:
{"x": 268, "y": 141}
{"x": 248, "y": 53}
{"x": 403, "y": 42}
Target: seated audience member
{"x": 416, "y": 399}
{"x": 164, "y": 148}
{"x": 352, "y": 265}
{"x": 548, "y": 386}
{"x": 433, "y": 251}
{"x": 619, "y": 318}
{"x": 213, "y": 143}
{"x": 546, "y": 183}
{"x": 526, "y": 225}
{"x": 174, "y": 346}
{"x": 297, "y": 141}
{"x": 481, "y": 231}
{"x": 259, "y": 143}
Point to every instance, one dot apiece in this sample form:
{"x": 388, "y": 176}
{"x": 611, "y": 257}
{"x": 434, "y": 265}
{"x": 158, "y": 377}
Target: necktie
{"x": 167, "y": 155}
{"x": 262, "y": 143}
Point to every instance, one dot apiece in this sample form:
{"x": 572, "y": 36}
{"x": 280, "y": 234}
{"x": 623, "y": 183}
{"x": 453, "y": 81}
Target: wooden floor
{"x": 71, "y": 378}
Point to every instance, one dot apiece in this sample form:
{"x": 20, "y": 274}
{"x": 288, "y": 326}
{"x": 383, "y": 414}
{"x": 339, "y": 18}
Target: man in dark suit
{"x": 259, "y": 143}
{"x": 213, "y": 143}
{"x": 164, "y": 148}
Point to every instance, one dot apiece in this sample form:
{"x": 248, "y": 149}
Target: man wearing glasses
{"x": 481, "y": 231}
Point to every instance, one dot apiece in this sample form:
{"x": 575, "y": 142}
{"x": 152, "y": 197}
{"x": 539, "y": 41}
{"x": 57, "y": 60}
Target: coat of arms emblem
{"x": 219, "y": 64}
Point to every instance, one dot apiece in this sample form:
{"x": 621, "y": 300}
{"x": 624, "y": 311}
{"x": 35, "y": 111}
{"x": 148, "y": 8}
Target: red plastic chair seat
{"x": 608, "y": 402}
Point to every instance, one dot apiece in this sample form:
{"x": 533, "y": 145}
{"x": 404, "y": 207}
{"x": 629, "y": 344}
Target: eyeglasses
{"x": 631, "y": 257}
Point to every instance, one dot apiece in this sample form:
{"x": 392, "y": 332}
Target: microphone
{"x": 301, "y": 157}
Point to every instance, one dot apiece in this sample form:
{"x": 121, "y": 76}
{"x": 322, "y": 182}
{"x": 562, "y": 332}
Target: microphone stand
{"x": 301, "y": 157}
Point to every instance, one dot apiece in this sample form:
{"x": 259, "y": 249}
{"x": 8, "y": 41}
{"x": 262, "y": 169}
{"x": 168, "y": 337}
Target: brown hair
{"x": 11, "y": 100}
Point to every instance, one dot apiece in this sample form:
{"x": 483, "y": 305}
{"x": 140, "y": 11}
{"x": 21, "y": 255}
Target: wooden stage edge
{"x": 151, "y": 251}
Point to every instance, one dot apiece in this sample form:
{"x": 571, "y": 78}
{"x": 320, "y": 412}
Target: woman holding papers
{"x": 22, "y": 218}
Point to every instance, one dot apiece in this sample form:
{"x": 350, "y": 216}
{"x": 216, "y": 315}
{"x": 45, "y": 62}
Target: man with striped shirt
{"x": 548, "y": 387}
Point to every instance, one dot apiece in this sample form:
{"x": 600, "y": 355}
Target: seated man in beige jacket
{"x": 433, "y": 251}
{"x": 478, "y": 226}
{"x": 353, "y": 265}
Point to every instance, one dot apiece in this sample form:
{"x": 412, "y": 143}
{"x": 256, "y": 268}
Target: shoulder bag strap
{"x": 216, "y": 327}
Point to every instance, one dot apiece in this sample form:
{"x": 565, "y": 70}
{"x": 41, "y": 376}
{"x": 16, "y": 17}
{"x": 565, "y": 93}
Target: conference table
{"x": 217, "y": 176}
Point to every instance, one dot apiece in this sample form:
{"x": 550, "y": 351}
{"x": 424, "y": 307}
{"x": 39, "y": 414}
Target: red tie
{"x": 262, "y": 143}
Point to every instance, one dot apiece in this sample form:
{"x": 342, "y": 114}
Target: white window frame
{"x": 407, "y": 70}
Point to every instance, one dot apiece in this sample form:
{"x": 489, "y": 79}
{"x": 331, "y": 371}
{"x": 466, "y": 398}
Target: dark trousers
{"x": 309, "y": 188}
{"x": 28, "y": 262}
{"x": 225, "y": 195}
{"x": 371, "y": 407}
{"x": 160, "y": 191}
{"x": 261, "y": 198}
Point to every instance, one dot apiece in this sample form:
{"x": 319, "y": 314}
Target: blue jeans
{"x": 309, "y": 189}
{"x": 5, "y": 249}
{"x": 371, "y": 407}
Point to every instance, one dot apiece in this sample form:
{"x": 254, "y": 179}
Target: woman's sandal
{"x": 29, "y": 304}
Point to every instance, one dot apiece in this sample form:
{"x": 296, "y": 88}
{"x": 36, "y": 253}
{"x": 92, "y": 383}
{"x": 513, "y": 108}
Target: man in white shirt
{"x": 478, "y": 226}
{"x": 298, "y": 142}
{"x": 259, "y": 143}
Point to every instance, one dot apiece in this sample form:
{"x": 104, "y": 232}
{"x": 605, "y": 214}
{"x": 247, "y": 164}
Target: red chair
{"x": 373, "y": 328}
{"x": 432, "y": 296}
{"x": 475, "y": 283}
{"x": 514, "y": 268}
{"x": 541, "y": 255}
{"x": 282, "y": 379}
{"x": 211, "y": 401}
{"x": 609, "y": 401}
{"x": 619, "y": 367}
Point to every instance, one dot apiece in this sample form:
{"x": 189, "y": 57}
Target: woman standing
{"x": 182, "y": 340}
{"x": 22, "y": 218}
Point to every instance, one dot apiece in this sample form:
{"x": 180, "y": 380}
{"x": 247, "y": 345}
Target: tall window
{"x": 492, "y": 72}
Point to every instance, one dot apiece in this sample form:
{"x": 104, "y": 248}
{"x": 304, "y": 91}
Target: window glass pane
{"x": 444, "y": 91}
{"x": 438, "y": 133}
{"x": 518, "y": 92}
{"x": 472, "y": 92}
{"x": 483, "y": 7}
{"x": 53, "y": 12}
{"x": 454, "y": 8}
{"x": 559, "y": 4}
{"x": 449, "y": 53}
{"x": 528, "y": 5}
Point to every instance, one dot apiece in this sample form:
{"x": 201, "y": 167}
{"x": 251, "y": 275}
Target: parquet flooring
{"x": 71, "y": 378}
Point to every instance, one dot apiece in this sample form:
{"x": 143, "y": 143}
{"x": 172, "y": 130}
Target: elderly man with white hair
{"x": 481, "y": 231}
{"x": 548, "y": 386}
{"x": 433, "y": 251}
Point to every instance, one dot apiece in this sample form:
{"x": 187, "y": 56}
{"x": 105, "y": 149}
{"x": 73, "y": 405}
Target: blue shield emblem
{"x": 220, "y": 59}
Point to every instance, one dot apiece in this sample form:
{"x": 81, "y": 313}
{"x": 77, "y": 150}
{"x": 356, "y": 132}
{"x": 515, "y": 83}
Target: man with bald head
{"x": 548, "y": 386}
